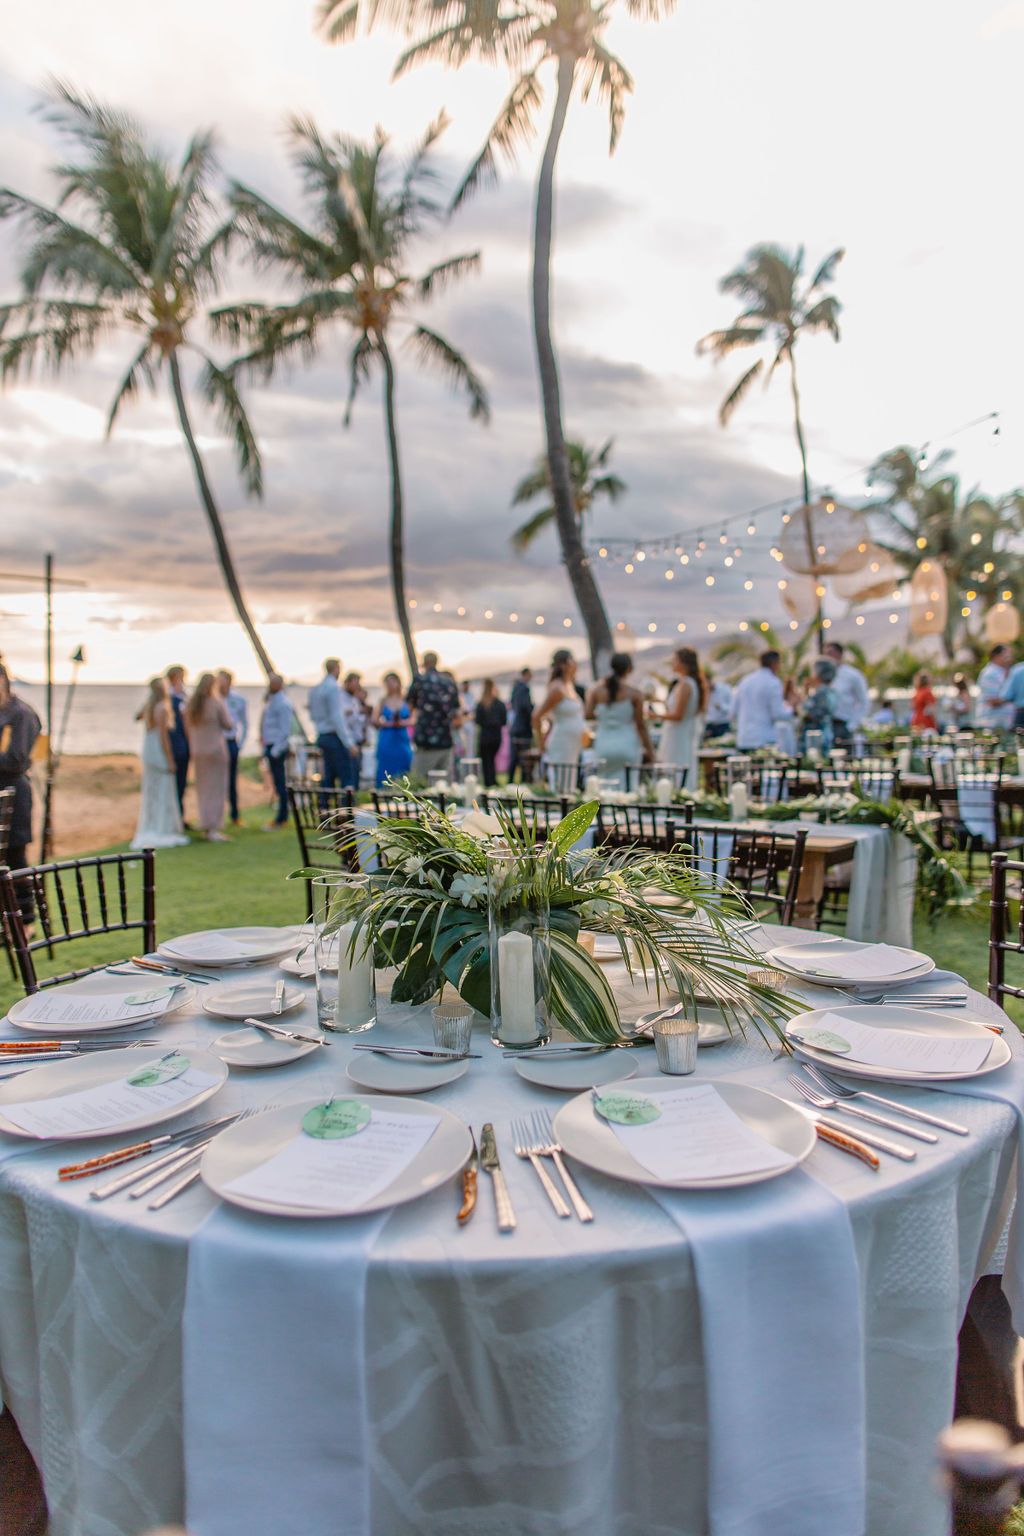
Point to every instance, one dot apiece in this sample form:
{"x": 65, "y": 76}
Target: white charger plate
{"x": 125, "y": 986}
{"x": 915, "y": 1021}
{"x": 398, "y": 1074}
{"x": 797, "y": 960}
{"x": 585, "y": 1136}
{"x": 247, "y": 1143}
{"x": 55, "y": 1078}
{"x": 250, "y": 1048}
{"x": 571, "y": 1073}
{"x": 259, "y": 945}
{"x": 249, "y": 999}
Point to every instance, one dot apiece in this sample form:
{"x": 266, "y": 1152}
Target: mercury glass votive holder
{"x": 675, "y": 1042}
{"x": 453, "y": 1026}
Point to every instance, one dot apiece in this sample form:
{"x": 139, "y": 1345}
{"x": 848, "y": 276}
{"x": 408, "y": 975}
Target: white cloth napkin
{"x": 780, "y": 1317}
{"x": 875, "y": 962}
{"x": 976, "y": 806}
{"x": 275, "y": 1374}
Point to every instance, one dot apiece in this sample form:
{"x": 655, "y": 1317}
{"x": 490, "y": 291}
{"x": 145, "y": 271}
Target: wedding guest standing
{"x": 994, "y": 714}
{"x": 685, "y": 714}
{"x": 621, "y": 738}
{"x": 179, "y": 735}
{"x": 923, "y": 716}
{"x": 19, "y": 728}
{"x": 490, "y": 716}
{"x": 853, "y": 699}
{"x": 392, "y": 718}
{"x": 159, "y": 824}
{"x": 818, "y": 712}
{"x": 562, "y": 708}
{"x": 332, "y": 723}
{"x": 719, "y": 714}
{"x": 238, "y": 709}
{"x": 470, "y": 746}
{"x": 357, "y": 714}
{"x": 207, "y": 722}
{"x": 760, "y": 705}
{"x": 521, "y": 723}
{"x": 961, "y": 705}
{"x": 275, "y": 730}
{"x": 435, "y": 698}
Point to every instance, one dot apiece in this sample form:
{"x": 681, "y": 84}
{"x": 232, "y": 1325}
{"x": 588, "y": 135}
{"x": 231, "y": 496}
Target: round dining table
{"x": 508, "y": 1384}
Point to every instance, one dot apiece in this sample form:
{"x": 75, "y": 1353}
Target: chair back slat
{"x": 636, "y": 826}
{"x": 6, "y": 822}
{"x": 323, "y": 821}
{"x": 68, "y": 901}
{"x": 764, "y": 866}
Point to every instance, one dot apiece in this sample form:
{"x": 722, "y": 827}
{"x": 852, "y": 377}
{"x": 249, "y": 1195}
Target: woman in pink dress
{"x": 206, "y": 721}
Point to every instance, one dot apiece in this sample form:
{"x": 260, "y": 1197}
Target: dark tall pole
{"x": 46, "y": 837}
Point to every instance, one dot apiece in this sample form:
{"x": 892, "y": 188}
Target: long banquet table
{"x": 549, "y": 1381}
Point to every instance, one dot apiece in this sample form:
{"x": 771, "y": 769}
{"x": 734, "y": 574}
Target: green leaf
{"x": 572, "y": 827}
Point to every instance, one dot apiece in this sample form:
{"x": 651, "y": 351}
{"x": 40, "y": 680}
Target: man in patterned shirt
{"x": 435, "y": 698}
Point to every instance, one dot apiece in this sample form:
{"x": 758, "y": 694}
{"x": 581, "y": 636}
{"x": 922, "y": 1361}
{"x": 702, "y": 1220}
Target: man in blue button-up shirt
{"x": 338, "y": 747}
{"x": 275, "y": 729}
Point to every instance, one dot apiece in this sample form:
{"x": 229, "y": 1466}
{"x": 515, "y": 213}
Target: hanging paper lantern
{"x": 878, "y": 577}
{"x": 1002, "y": 624}
{"x": 824, "y": 538}
{"x": 800, "y": 598}
{"x": 928, "y": 600}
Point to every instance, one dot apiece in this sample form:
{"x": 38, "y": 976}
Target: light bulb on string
{"x": 681, "y": 628}
{"x": 709, "y": 581}
{"x": 488, "y": 613}
{"x": 670, "y": 575}
{"x": 744, "y": 626}
{"x": 461, "y": 612}
{"x": 540, "y": 618}
{"x": 751, "y": 529}
{"x": 652, "y": 629}
{"x": 629, "y": 569}
{"x": 437, "y": 607}
{"x": 712, "y": 626}
{"x": 412, "y": 602}
{"x": 748, "y": 586}
{"x": 859, "y": 619}
{"x": 513, "y": 618}
{"x": 723, "y": 537}
{"x": 727, "y": 560}
{"x": 567, "y": 623}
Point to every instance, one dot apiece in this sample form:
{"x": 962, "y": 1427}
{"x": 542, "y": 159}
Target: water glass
{"x": 346, "y": 993}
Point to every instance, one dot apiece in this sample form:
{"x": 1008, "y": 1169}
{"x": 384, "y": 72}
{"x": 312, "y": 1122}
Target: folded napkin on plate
{"x": 782, "y": 1334}
{"x": 943, "y": 984}
{"x": 274, "y": 1385}
{"x": 874, "y": 961}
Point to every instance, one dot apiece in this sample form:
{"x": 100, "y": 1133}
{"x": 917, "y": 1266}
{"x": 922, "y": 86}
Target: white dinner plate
{"x": 585, "y": 1136}
{"x": 302, "y": 965}
{"x": 250, "y": 1048}
{"x": 247, "y": 1143}
{"x": 249, "y": 999}
{"x": 93, "y": 1071}
{"x": 230, "y": 946}
{"x": 801, "y": 960}
{"x": 125, "y": 986}
{"x": 399, "y": 1074}
{"x": 570, "y": 1074}
{"x": 915, "y": 1021}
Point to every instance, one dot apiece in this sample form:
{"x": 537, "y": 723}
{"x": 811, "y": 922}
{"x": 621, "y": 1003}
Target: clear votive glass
{"x": 437, "y": 780}
{"x": 471, "y": 768}
{"x": 346, "y": 992}
{"x": 675, "y": 1042}
{"x": 453, "y": 1027}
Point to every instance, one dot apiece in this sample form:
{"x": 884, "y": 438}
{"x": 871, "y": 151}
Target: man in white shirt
{"x": 719, "y": 711}
{"x": 853, "y": 700}
{"x": 335, "y": 738}
{"x": 759, "y": 704}
{"x": 994, "y": 713}
{"x": 275, "y": 731}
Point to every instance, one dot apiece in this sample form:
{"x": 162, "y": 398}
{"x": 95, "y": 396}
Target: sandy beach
{"x": 96, "y": 801}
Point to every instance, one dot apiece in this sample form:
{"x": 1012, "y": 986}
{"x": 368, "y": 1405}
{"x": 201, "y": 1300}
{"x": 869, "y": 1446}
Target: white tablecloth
{"x": 549, "y": 1383}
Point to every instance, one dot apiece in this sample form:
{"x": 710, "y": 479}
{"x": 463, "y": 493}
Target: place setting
{"x": 224, "y": 948}
{"x": 97, "y": 1003}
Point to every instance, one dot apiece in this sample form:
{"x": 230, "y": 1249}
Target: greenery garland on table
{"x": 940, "y": 883}
{"x": 426, "y": 908}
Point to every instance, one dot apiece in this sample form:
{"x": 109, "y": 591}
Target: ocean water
{"x": 102, "y": 715}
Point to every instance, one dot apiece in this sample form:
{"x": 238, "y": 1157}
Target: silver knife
{"x": 415, "y": 1050}
{"x": 284, "y": 1034}
{"x": 491, "y": 1164}
{"x": 878, "y": 1143}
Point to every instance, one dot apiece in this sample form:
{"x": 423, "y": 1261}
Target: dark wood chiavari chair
{"x": 77, "y": 899}
{"x": 323, "y": 821}
{"x": 541, "y": 816}
{"x": 753, "y": 862}
{"x": 6, "y": 821}
{"x": 563, "y": 778}
{"x": 964, "y": 791}
{"x": 1000, "y": 942}
{"x": 639, "y": 826}
{"x": 876, "y": 777}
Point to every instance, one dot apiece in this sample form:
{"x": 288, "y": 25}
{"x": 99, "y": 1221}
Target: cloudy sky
{"x": 891, "y": 129}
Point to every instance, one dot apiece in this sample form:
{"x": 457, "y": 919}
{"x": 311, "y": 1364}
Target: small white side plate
{"x": 399, "y": 1074}
{"x": 570, "y": 1074}
{"x": 252, "y": 999}
{"x": 249, "y": 1048}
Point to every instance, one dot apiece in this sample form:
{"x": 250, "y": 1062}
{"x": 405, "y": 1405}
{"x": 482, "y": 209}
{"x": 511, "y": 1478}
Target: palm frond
{"x": 721, "y": 343}
{"x": 437, "y": 278}
{"x": 611, "y": 486}
{"x": 358, "y": 372}
{"x": 513, "y": 127}
{"x": 141, "y": 368}
{"x": 827, "y": 271}
{"x": 57, "y": 331}
{"x": 434, "y": 350}
{"x": 528, "y": 531}
{"x": 65, "y": 253}
{"x": 413, "y": 203}
{"x": 614, "y": 84}
{"x": 218, "y": 386}
{"x": 536, "y": 483}
{"x": 190, "y": 203}
{"x": 737, "y": 392}
{"x": 823, "y": 316}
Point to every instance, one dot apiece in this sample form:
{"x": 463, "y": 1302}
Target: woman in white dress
{"x": 684, "y": 716}
{"x": 159, "y": 824}
{"x": 563, "y": 710}
{"x": 621, "y": 739}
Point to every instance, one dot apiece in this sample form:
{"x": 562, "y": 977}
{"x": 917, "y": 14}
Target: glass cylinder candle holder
{"x": 346, "y": 993}
{"x": 519, "y": 938}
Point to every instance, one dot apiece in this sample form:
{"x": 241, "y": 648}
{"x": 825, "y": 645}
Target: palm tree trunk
{"x": 806, "y": 487}
{"x": 581, "y": 577}
{"x": 397, "y": 530}
{"x": 213, "y": 517}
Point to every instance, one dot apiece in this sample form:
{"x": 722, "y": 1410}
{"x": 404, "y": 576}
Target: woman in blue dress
{"x": 393, "y": 718}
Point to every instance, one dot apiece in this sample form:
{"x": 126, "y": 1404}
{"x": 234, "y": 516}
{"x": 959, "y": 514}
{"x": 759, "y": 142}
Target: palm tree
{"x": 968, "y": 534}
{"x": 587, "y": 486}
{"x": 744, "y": 648}
{"x": 348, "y": 263}
{"x": 527, "y": 36}
{"x": 142, "y": 256}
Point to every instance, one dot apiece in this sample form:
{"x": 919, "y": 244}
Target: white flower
{"x": 468, "y": 889}
{"x": 480, "y": 824}
{"x": 414, "y": 866}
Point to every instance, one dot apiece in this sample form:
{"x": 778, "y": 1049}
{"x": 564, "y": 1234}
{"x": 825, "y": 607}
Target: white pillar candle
{"x": 738, "y": 801}
{"x": 903, "y": 760}
{"x": 592, "y": 787}
{"x": 355, "y": 979}
{"x": 663, "y": 791}
{"x": 515, "y": 988}
{"x": 470, "y": 787}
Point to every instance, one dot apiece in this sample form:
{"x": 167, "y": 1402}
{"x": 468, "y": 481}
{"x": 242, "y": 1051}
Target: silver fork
{"x": 843, "y": 1091}
{"x": 838, "y": 1101}
{"x": 521, "y": 1141}
{"x": 819, "y": 1101}
{"x": 545, "y": 1144}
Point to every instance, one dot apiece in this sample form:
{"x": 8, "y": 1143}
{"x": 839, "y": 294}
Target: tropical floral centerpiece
{"x": 426, "y": 908}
